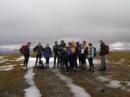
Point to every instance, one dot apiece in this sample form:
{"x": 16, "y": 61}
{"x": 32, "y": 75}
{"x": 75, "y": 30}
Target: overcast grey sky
{"x": 49, "y": 20}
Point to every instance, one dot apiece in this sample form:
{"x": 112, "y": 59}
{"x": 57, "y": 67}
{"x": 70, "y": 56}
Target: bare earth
{"x": 50, "y": 85}
{"x": 97, "y": 83}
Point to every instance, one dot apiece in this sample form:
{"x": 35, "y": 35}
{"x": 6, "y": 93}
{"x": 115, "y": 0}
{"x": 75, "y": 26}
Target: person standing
{"x": 55, "y": 50}
{"x": 79, "y": 47}
{"x": 103, "y": 55}
{"x": 61, "y": 54}
{"x": 38, "y": 50}
{"x": 84, "y": 55}
{"x": 74, "y": 64}
{"x": 25, "y": 51}
{"x": 90, "y": 56}
{"x": 67, "y": 58}
{"x": 47, "y": 54}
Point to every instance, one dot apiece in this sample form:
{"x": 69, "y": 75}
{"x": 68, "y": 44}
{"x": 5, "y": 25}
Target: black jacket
{"x": 27, "y": 52}
{"x": 61, "y": 51}
{"x": 102, "y": 49}
{"x": 56, "y": 49}
{"x": 38, "y": 49}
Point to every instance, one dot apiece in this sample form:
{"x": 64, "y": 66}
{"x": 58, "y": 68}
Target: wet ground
{"x": 115, "y": 82}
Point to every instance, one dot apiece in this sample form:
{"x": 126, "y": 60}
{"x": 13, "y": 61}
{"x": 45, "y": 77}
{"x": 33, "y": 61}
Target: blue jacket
{"x": 79, "y": 47}
{"x": 91, "y": 52}
{"x": 47, "y": 52}
{"x": 68, "y": 51}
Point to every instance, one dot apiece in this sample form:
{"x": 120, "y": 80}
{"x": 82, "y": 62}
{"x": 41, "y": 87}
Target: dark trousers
{"x": 67, "y": 63}
{"x": 61, "y": 61}
{"x": 80, "y": 60}
{"x": 103, "y": 62}
{"x": 74, "y": 61}
{"x": 90, "y": 60}
{"x": 47, "y": 61}
{"x": 26, "y": 59}
{"x": 83, "y": 60}
{"x": 56, "y": 58}
{"x": 38, "y": 58}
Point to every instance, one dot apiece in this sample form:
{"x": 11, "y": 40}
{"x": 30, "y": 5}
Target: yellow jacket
{"x": 73, "y": 49}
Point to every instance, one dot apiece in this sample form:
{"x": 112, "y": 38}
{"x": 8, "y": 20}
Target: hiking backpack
{"x": 22, "y": 49}
{"x": 106, "y": 49}
{"x": 41, "y": 63}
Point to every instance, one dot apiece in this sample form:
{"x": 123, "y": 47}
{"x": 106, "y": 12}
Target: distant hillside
{"x": 5, "y": 49}
{"x": 118, "y": 46}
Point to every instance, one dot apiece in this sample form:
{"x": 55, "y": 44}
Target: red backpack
{"x": 22, "y": 49}
{"x": 107, "y": 49}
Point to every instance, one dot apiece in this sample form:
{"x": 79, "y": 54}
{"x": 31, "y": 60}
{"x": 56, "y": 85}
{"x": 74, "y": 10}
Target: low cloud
{"x": 50, "y": 20}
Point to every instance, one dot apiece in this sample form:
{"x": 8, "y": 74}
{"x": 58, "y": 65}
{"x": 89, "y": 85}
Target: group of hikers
{"x": 66, "y": 55}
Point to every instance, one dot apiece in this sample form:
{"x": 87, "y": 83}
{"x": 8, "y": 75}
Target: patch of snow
{"x": 51, "y": 62}
{"x": 103, "y": 79}
{"x": 123, "y": 88}
{"x": 96, "y": 61}
{"x": 19, "y": 59}
{"x": 122, "y": 60}
{"x": 1, "y": 57}
{"x": 32, "y": 60}
{"x": 6, "y": 67}
{"x": 3, "y": 60}
{"x": 32, "y": 91}
{"x": 75, "y": 89}
{"x": 119, "y": 62}
{"x": 29, "y": 77}
{"x": 115, "y": 84}
{"x": 128, "y": 83}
